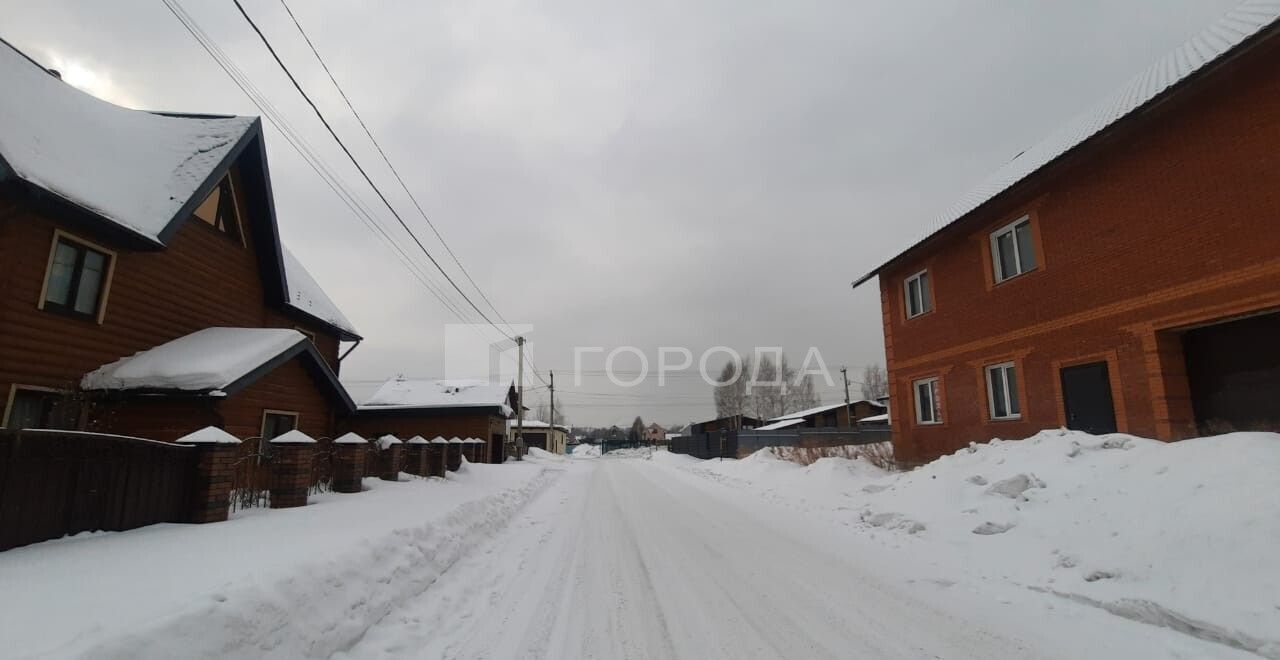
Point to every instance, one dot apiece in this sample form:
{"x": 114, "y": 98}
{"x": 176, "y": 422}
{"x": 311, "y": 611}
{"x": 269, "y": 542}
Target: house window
{"x": 1012, "y": 251}
{"x": 919, "y": 300}
{"x": 39, "y": 408}
{"x": 1002, "y": 391}
{"x": 77, "y": 277}
{"x": 276, "y": 423}
{"x": 218, "y": 210}
{"x": 928, "y": 408}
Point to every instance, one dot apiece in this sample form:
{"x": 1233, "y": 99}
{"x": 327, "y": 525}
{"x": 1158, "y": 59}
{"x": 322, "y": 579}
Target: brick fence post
{"x": 453, "y": 457}
{"x": 349, "y": 453}
{"x": 436, "y": 452}
{"x": 391, "y": 458}
{"x": 415, "y": 456}
{"x": 292, "y": 463}
{"x": 216, "y": 452}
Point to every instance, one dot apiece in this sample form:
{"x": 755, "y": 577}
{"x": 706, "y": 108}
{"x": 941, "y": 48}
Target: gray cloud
{"x": 664, "y": 173}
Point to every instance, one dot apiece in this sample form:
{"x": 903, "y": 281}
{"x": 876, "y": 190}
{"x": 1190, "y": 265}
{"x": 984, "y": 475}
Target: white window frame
{"x": 934, "y": 389}
{"x": 1010, "y": 397}
{"x": 1010, "y": 228}
{"x": 906, "y": 294}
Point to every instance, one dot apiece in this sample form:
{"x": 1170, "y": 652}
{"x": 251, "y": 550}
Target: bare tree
{"x": 636, "y": 432}
{"x": 543, "y": 412}
{"x": 800, "y": 394}
{"x": 766, "y": 389}
{"x": 731, "y": 392}
{"x": 875, "y": 383}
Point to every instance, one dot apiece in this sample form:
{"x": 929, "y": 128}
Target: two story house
{"x": 1122, "y": 275}
{"x": 145, "y": 288}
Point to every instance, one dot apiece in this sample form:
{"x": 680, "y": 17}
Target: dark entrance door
{"x": 1086, "y": 395}
{"x": 1233, "y": 370}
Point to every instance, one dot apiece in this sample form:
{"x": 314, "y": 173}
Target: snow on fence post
{"x": 291, "y": 469}
{"x": 390, "y": 457}
{"x": 215, "y": 470}
{"x": 436, "y": 452}
{"x": 349, "y": 452}
{"x": 415, "y": 459}
{"x": 453, "y": 457}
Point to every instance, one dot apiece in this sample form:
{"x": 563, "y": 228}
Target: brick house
{"x": 1123, "y": 275}
{"x": 146, "y": 289}
{"x": 463, "y": 408}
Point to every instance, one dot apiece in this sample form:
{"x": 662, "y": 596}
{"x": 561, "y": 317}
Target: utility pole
{"x": 520, "y": 400}
{"x": 844, "y": 371}
{"x": 551, "y": 423}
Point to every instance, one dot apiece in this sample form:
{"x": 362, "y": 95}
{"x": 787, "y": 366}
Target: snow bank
{"x": 291, "y": 583}
{"x": 586, "y": 451}
{"x": 1181, "y": 535}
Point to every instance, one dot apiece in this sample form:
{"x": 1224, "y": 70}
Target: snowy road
{"x": 630, "y": 559}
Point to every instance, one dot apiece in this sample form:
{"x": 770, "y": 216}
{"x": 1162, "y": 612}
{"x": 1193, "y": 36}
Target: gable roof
{"x": 140, "y": 175}
{"x": 133, "y": 168}
{"x": 305, "y": 295}
{"x": 414, "y": 394}
{"x": 821, "y": 409}
{"x": 1248, "y": 22}
{"x": 213, "y": 362}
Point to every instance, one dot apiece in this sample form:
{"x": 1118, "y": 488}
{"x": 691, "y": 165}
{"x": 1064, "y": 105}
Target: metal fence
{"x": 744, "y": 442}
{"x": 54, "y": 483}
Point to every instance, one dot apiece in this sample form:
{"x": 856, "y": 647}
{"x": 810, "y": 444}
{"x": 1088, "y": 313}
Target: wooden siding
{"x": 203, "y": 278}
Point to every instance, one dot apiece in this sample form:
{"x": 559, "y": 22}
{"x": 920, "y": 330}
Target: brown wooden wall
{"x": 202, "y": 279}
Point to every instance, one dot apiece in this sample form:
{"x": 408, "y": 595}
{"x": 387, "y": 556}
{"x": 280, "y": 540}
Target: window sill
{"x": 1015, "y": 277}
{"x": 912, "y": 318}
{"x": 1016, "y": 418}
{"x": 59, "y": 310}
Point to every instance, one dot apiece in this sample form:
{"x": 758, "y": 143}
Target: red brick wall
{"x": 1173, "y": 221}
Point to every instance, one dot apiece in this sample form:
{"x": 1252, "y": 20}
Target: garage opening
{"x": 1233, "y": 370}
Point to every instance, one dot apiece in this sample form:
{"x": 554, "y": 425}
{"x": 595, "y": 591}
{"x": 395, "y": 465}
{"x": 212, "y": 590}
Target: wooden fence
{"x": 54, "y": 483}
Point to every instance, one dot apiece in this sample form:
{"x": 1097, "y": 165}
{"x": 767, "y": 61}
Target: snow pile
{"x": 132, "y": 167}
{"x": 544, "y": 455}
{"x": 585, "y": 450}
{"x": 631, "y": 452}
{"x": 286, "y": 583}
{"x": 208, "y": 359}
{"x": 1181, "y": 535}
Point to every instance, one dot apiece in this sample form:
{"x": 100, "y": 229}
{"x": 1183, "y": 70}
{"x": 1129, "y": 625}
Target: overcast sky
{"x": 659, "y": 173}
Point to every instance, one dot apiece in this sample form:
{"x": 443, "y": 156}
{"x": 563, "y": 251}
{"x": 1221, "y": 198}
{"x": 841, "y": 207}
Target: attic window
{"x": 218, "y": 210}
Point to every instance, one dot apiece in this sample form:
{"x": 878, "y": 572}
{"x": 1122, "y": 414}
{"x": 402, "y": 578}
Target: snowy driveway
{"x": 626, "y": 558}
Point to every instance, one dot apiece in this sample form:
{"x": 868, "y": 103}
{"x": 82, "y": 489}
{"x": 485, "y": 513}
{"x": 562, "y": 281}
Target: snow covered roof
{"x": 822, "y": 409}
{"x": 292, "y": 437}
{"x": 875, "y": 419}
{"x": 781, "y": 424}
{"x": 305, "y": 295}
{"x": 350, "y": 439}
{"x": 212, "y": 361}
{"x": 209, "y": 435}
{"x": 1250, "y": 18}
{"x": 408, "y": 394}
{"x": 535, "y": 424}
{"x": 209, "y": 359}
{"x": 135, "y": 168}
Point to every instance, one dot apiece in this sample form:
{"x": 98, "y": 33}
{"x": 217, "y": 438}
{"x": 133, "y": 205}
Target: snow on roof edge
{"x": 1247, "y": 20}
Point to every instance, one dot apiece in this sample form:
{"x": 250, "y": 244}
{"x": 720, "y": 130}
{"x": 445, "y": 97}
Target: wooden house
{"x": 146, "y": 288}
{"x": 449, "y": 408}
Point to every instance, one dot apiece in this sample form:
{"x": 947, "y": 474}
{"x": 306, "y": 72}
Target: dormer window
{"x": 218, "y": 210}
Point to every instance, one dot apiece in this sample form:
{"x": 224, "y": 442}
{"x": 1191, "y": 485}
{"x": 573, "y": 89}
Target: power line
{"x": 360, "y": 168}
{"x": 305, "y": 151}
{"x": 387, "y": 160}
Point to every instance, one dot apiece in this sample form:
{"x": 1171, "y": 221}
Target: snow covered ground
{"x": 1112, "y": 547}
{"x": 287, "y": 583}
{"x": 1180, "y": 535}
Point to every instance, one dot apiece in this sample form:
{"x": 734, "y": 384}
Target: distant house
{"x": 654, "y": 433}
{"x": 1122, "y": 275}
{"x": 429, "y": 408}
{"x": 542, "y": 435}
{"x": 733, "y": 422}
{"x": 836, "y": 415}
{"x": 146, "y": 290}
